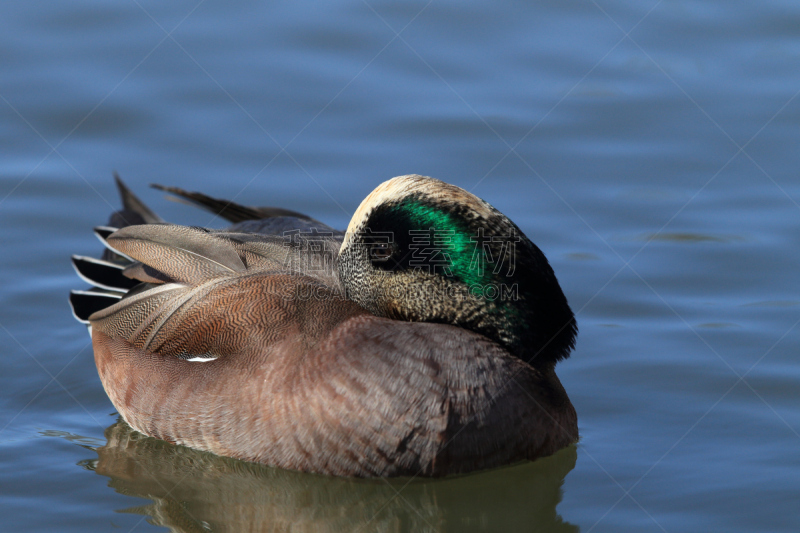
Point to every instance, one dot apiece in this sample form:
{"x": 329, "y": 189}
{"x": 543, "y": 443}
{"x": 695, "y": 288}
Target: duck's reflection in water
{"x": 195, "y": 491}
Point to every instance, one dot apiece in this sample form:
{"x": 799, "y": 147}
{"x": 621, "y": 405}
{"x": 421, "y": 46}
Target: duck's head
{"x": 422, "y": 250}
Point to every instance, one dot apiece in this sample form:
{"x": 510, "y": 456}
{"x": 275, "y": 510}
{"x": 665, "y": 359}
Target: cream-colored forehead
{"x": 402, "y": 186}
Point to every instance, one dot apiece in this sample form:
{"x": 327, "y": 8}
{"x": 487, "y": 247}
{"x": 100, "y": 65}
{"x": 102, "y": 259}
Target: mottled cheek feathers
{"x": 423, "y": 250}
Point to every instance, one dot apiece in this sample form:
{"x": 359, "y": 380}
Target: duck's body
{"x": 319, "y": 355}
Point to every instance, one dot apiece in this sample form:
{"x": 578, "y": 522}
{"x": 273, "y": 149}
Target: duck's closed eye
{"x": 380, "y": 252}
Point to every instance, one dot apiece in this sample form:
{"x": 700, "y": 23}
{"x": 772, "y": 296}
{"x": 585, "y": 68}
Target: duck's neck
{"x": 537, "y": 334}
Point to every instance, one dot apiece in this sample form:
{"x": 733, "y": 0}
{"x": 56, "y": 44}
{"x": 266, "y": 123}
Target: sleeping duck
{"x": 421, "y": 341}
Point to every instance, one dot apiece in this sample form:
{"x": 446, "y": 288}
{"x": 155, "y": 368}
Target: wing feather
{"x": 183, "y": 253}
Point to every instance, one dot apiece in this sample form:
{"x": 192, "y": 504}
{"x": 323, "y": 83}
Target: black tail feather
{"x": 103, "y": 274}
{"x": 134, "y": 211}
{"x": 227, "y": 209}
{"x": 85, "y": 303}
{"x": 110, "y": 254}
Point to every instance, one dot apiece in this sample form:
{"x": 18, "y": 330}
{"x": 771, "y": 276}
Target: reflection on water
{"x": 195, "y": 491}
{"x": 687, "y": 237}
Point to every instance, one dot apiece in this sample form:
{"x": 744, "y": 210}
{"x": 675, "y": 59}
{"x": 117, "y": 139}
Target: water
{"x": 649, "y": 148}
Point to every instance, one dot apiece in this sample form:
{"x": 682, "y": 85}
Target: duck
{"x": 420, "y": 341}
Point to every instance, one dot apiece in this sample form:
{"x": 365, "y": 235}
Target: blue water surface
{"x": 648, "y": 148}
